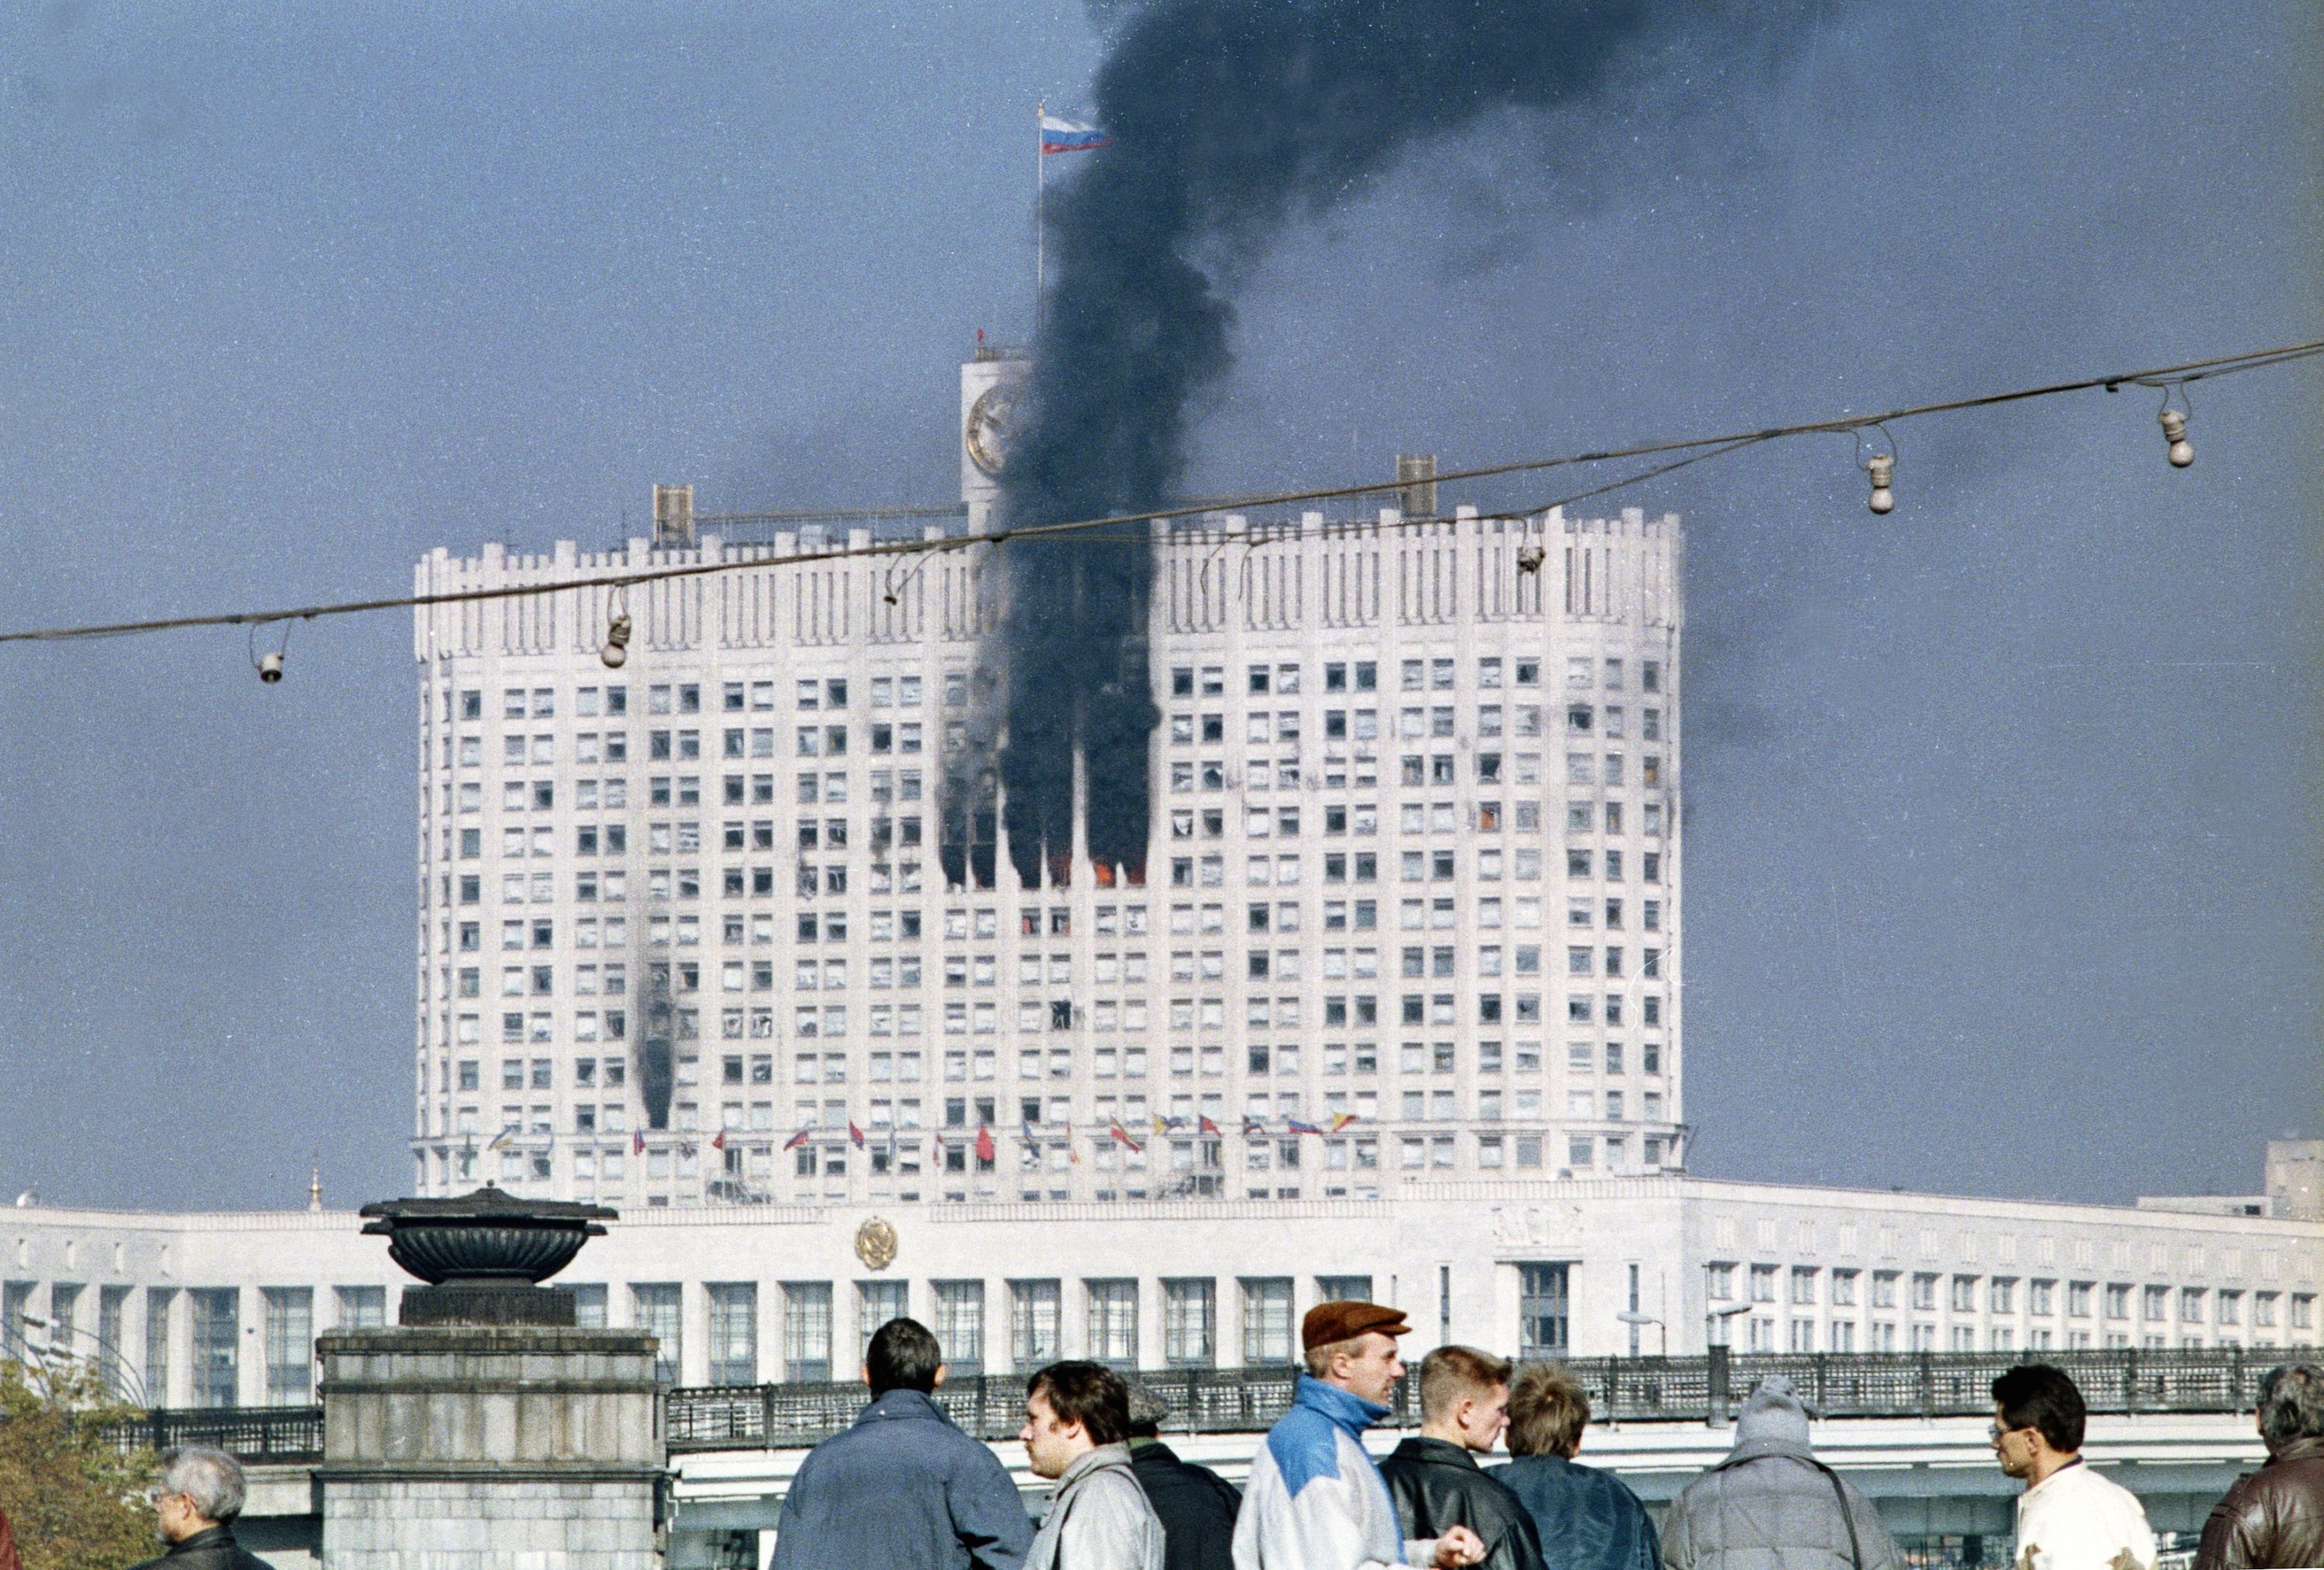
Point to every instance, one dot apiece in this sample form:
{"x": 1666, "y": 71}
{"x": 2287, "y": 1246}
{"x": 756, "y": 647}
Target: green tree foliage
{"x": 75, "y": 1499}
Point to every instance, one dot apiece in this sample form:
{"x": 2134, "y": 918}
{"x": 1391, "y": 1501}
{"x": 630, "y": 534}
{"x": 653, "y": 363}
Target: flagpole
{"x": 1040, "y": 210}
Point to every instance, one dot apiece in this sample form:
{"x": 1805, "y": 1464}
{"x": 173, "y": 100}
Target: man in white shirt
{"x": 2068, "y": 1518}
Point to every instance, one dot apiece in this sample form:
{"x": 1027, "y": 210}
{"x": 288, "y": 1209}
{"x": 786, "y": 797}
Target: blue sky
{"x": 2001, "y": 855}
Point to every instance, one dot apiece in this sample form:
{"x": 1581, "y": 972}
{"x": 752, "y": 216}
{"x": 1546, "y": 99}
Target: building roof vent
{"x": 673, "y": 515}
{"x": 1416, "y": 473}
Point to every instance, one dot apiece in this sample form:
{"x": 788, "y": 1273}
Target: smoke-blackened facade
{"x": 1410, "y": 903}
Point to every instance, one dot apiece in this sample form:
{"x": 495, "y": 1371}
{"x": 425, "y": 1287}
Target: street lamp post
{"x": 1634, "y": 1317}
{"x": 1715, "y": 1364}
{"x": 113, "y": 1365}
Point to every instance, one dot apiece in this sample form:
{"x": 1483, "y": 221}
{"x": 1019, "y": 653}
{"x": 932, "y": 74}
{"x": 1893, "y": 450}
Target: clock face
{"x": 991, "y": 421}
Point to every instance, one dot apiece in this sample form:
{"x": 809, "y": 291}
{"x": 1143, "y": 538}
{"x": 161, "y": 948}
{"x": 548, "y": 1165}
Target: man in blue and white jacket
{"x": 1316, "y": 1500}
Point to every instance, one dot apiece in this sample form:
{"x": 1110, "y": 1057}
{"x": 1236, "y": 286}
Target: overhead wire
{"x": 1696, "y": 449}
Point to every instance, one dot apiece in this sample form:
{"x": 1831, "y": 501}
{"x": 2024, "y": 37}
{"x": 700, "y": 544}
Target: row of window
{"x": 1335, "y": 1059}
{"x": 832, "y": 693}
{"x": 1283, "y": 678}
{"x": 2043, "y": 1297}
{"x": 735, "y": 697}
{"x": 1438, "y": 673}
{"x": 811, "y": 879}
{"x": 733, "y": 1164}
{"x": 1413, "y": 770}
{"x": 885, "y": 972}
{"x": 1361, "y": 819}
{"x": 210, "y": 1319}
{"x": 1886, "y": 1335}
{"x": 1522, "y": 912}
{"x": 1522, "y": 865}
{"x": 1492, "y": 1105}
{"x": 1264, "y": 727}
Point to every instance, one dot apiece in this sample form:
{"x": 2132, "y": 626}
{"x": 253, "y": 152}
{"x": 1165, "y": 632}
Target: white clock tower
{"x": 989, "y": 386}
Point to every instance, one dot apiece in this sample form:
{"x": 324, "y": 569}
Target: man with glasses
{"x": 2068, "y": 1518}
{"x": 196, "y": 1495}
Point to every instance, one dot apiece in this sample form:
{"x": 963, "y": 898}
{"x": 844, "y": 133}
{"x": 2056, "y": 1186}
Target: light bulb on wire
{"x": 2174, "y": 431}
{"x": 616, "y": 651}
{"x": 1882, "y": 468}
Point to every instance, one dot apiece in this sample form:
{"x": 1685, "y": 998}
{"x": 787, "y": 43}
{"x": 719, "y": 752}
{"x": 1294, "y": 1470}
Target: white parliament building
{"x": 1393, "y": 1007}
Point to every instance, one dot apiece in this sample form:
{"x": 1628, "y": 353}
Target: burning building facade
{"x": 743, "y": 920}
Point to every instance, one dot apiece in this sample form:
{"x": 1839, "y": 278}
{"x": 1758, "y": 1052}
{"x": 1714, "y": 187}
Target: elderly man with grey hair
{"x": 196, "y": 1493}
{"x": 2275, "y": 1516}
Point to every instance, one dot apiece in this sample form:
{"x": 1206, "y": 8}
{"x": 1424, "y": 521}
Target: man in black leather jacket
{"x": 196, "y": 1495}
{"x": 2275, "y": 1516}
{"x": 1434, "y": 1477}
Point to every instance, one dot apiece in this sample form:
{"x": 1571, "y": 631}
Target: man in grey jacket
{"x": 1772, "y": 1503}
{"x": 903, "y": 1489}
{"x": 1077, "y": 1430}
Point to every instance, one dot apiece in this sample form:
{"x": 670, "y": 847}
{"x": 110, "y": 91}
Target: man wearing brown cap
{"x": 1314, "y": 1499}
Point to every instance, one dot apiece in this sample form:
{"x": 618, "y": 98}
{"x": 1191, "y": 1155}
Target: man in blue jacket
{"x": 903, "y": 1489}
{"x": 1316, "y": 1500}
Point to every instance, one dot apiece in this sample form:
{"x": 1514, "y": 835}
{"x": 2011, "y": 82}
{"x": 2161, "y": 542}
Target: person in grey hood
{"x": 903, "y": 1488}
{"x": 1772, "y": 1504}
{"x": 1076, "y": 1431}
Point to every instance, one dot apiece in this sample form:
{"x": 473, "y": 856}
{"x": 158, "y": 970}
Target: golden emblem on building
{"x": 875, "y": 1244}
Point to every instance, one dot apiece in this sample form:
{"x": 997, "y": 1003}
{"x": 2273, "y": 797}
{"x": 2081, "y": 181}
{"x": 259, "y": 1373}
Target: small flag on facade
{"x": 855, "y": 1133}
{"x": 503, "y": 1139}
{"x": 718, "y": 1140}
{"x": 1122, "y": 1136}
{"x": 1205, "y": 1126}
{"x": 1298, "y": 1127}
{"x": 1253, "y": 1129}
{"x": 799, "y": 1138}
{"x": 638, "y": 1141}
{"x": 1340, "y": 1120}
{"x": 983, "y": 1143}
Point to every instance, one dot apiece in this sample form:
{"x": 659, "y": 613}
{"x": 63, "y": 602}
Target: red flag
{"x": 1121, "y": 1138}
{"x": 855, "y": 1133}
{"x": 718, "y": 1140}
{"x": 1207, "y": 1126}
{"x": 984, "y": 1143}
{"x": 638, "y": 1141}
{"x": 799, "y": 1138}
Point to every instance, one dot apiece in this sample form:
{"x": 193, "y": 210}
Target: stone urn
{"x": 484, "y": 1256}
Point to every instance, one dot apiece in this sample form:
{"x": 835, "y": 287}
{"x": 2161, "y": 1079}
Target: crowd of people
{"x": 904, "y": 1489}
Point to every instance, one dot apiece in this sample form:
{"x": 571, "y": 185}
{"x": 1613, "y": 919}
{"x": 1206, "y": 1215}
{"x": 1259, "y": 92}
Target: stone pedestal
{"x": 450, "y": 1446}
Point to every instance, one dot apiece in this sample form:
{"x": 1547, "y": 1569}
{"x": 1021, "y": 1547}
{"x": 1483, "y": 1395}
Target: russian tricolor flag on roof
{"x": 1066, "y": 136}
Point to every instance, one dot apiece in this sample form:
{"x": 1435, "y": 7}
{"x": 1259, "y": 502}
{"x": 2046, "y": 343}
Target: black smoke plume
{"x": 1229, "y": 119}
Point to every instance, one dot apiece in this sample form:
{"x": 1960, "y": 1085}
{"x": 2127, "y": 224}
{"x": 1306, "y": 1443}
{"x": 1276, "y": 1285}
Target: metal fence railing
{"x": 1227, "y": 1400}
{"x": 1622, "y": 1390}
{"x": 255, "y": 1434}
